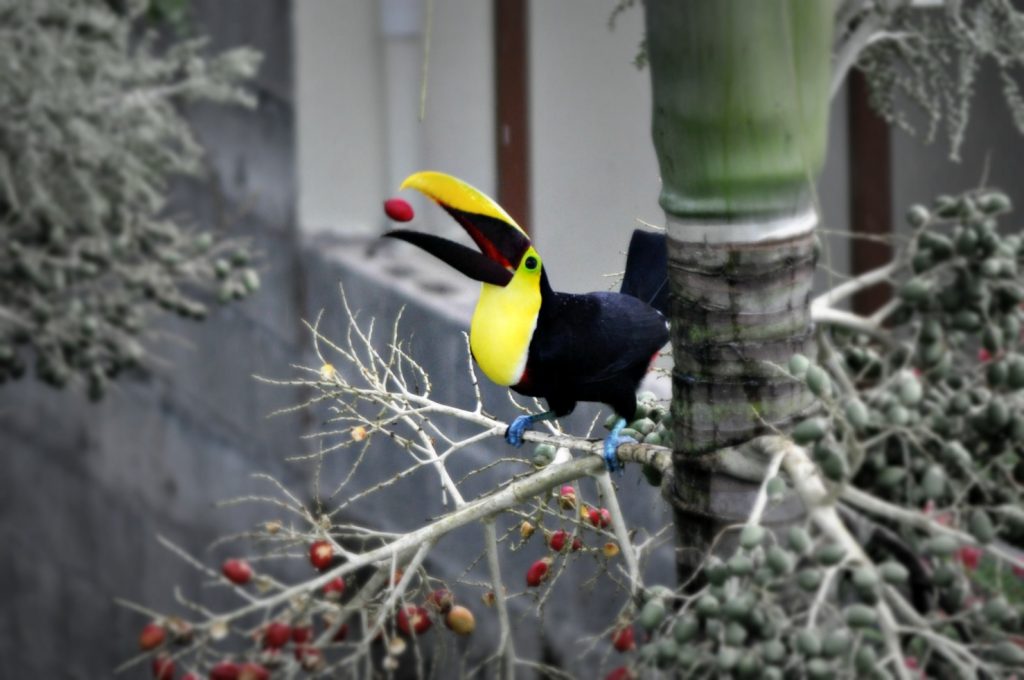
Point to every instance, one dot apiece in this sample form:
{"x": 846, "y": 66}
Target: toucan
{"x": 562, "y": 347}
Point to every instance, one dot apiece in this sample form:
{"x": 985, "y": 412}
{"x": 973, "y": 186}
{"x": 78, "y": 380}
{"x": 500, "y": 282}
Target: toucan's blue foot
{"x": 611, "y": 444}
{"x": 514, "y": 433}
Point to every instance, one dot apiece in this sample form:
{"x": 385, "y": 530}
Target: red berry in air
{"x": 623, "y": 640}
{"x": 441, "y": 600}
{"x": 253, "y": 671}
{"x": 460, "y": 620}
{"x": 600, "y": 518}
{"x": 413, "y": 619}
{"x": 538, "y": 572}
{"x": 276, "y": 635}
{"x": 557, "y": 540}
{"x": 163, "y": 668}
{"x": 320, "y": 554}
{"x": 398, "y": 209}
{"x": 301, "y": 634}
{"x": 237, "y": 571}
{"x": 152, "y": 636}
{"x": 577, "y": 544}
{"x": 190, "y": 676}
{"x": 225, "y": 670}
{"x": 620, "y": 673}
{"x": 334, "y": 589}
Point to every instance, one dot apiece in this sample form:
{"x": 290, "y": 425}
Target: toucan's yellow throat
{"x": 508, "y": 266}
{"x": 504, "y": 321}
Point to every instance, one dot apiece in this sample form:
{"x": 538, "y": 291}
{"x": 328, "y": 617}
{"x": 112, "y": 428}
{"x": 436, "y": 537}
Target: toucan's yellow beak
{"x": 493, "y": 230}
{"x": 452, "y": 193}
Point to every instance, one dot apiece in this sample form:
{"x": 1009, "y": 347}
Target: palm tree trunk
{"x": 740, "y": 119}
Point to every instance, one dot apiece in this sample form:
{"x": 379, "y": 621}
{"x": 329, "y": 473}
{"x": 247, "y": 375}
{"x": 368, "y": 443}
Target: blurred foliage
{"x": 174, "y": 13}
{"x": 944, "y": 412}
{"x": 926, "y": 58}
{"x": 930, "y": 59}
{"x": 91, "y": 136}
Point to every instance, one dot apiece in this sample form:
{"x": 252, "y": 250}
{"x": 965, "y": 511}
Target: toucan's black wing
{"x": 646, "y": 274}
{"x": 593, "y": 347}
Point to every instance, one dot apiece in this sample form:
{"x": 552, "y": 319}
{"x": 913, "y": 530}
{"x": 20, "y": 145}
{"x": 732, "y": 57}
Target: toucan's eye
{"x": 531, "y": 263}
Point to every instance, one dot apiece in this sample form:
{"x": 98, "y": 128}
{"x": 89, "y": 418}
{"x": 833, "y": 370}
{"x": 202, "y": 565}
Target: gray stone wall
{"x": 87, "y": 488}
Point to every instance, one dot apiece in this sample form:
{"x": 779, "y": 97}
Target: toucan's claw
{"x": 514, "y": 433}
{"x": 611, "y": 444}
{"x": 611, "y": 458}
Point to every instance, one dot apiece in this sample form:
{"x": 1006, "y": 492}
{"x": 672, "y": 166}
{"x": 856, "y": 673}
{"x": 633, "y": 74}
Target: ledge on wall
{"x": 400, "y": 268}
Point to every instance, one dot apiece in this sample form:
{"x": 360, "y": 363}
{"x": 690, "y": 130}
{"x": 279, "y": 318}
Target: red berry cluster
{"x": 415, "y": 620}
{"x": 599, "y": 518}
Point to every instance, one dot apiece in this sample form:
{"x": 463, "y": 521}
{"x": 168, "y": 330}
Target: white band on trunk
{"x": 774, "y": 228}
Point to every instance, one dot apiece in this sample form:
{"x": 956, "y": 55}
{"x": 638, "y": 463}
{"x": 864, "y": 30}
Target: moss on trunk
{"x": 739, "y": 125}
{"x": 729, "y": 344}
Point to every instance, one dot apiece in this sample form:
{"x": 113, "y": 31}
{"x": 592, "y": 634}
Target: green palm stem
{"x": 740, "y": 119}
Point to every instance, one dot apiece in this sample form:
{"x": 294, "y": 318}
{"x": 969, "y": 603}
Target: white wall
{"x": 341, "y": 166}
{"x": 358, "y": 94}
{"x": 834, "y": 198}
{"x": 458, "y": 130}
{"x": 594, "y": 173}
{"x": 594, "y": 169}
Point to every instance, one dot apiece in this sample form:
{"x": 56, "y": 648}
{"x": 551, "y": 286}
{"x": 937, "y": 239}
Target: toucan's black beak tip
{"x": 466, "y": 260}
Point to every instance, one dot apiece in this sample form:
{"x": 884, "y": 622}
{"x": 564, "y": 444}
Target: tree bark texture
{"x": 739, "y": 312}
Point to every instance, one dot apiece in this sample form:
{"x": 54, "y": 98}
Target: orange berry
{"x": 460, "y": 620}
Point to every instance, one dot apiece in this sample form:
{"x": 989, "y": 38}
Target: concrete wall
{"x": 87, "y": 488}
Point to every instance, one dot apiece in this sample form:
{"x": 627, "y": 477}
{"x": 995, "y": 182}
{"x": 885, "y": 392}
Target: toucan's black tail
{"x": 647, "y": 269}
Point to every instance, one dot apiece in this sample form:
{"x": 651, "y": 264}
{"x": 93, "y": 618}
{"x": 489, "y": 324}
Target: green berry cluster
{"x": 937, "y": 415}
{"x": 756, "y": 617}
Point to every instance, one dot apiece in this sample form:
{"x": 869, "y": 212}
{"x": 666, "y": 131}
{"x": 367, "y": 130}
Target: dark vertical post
{"x": 870, "y": 192}
{"x": 513, "y": 111}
